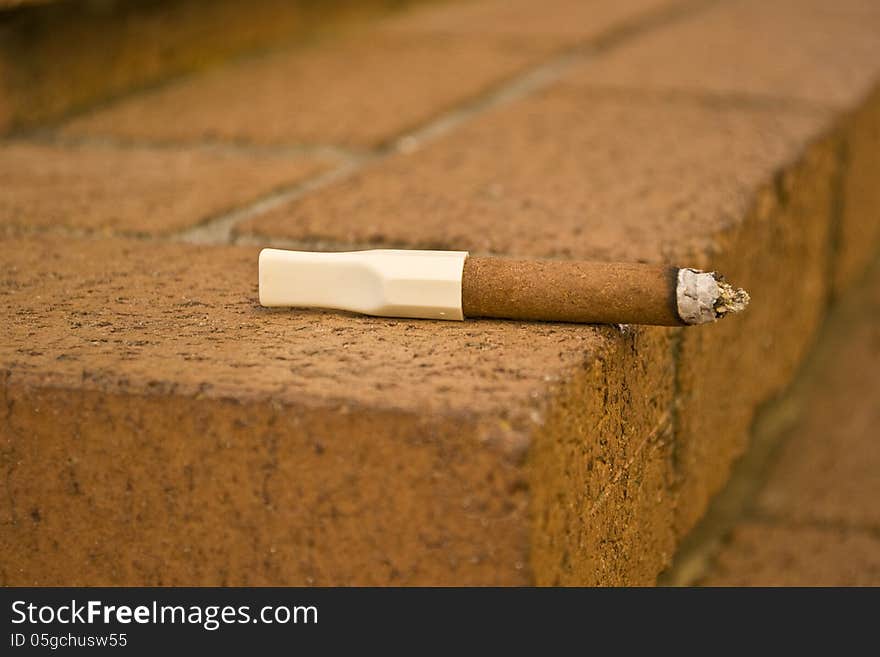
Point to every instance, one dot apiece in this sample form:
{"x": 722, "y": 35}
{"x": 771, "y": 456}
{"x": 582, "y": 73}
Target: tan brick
{"x": 132, "y": 314}
{"x": 130, "y": 44}
{"x": 134, "y": 44}
{"x": 356, "y": 91}
{"x": 767, "y": 555}
{"x": 174, "y": 432}
{"x": 602, "y": 472}
{"x": 135, "y": 190}
{"x": 565, "y": 174}
{"x": 172, "y": 489}
{"x": 369, "y": 87}
{"x": 786, "y": 50}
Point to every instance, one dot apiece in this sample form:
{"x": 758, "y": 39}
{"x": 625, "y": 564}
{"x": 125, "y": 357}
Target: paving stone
{"x": 366, "y": 88}
{"x": 133, "y": 45}
{"x": 816, "y": 52}
{"x": 567, "y": 174}
{"x": 176, "y": 316}
{"x": 135, "y": 190}
{"x": 768, "y": 555}
{"x": 358, "y": 91}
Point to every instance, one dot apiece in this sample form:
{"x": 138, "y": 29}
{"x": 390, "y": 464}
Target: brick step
{"x": 162, "y": 428}
{"x": 46, "y": 72}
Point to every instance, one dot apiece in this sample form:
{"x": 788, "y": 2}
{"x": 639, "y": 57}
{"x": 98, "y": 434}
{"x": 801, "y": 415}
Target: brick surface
{"x": 180, "y": 490}
{"x": 766, "y": 555}
{"x": 858, "y": 239}
{"x": 829, "y": 469}
{"x": 168, "y": 409}
{"x": 189, "y": 436}
{"x": 49, "y": 73}
{"x": 597, "y": 175}
{"x": 781, "y": 252}
{"x": 535, "y": 180}
{"x": 135, "y": 190}
{"x": 367, "y": 88}
{"x": 813, "y": 519}
{"x": 130, "y": 315}
{"x": 566, "y": 174}
{"x": 507, "y": 210}
{"x": 602, "y": 484}
{"x": 136, "y": 44}
{"x": 557, "y": 22}
{"x": 358, "y": 92}
{"x": 825, "y": 53}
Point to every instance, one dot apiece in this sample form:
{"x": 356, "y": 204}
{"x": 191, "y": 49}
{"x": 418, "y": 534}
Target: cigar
{"x": 454, "y": 285}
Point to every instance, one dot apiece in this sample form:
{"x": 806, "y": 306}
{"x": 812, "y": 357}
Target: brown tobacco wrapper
{"x": 570, "y": 291}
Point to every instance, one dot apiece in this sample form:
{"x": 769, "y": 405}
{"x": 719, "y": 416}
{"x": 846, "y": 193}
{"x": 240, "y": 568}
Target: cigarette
{"x": 453, "y": 285}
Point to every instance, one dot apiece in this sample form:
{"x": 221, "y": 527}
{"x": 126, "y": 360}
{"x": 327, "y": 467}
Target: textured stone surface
{"x": 829, "y": 469}
{"x": 136, "y": 44}
{"x": 767, "y": 555}
{"x": 567, "y": 174}
{"x": 591, "y": 175}
{"x": 204, "y": 439}
{"x": 131, "y": 44}
{"x": 807, "y": 515}
{"x": 603, "y": 469}
{"x": 460, "y": 194}
{"x": 814, "y": 51}
{"x": 357, "y": 91}
{"x": 858, "y": 237}
{"x": 127, "y": 315}
{"x": 135, "y": 190}
{"x": 560, "y": 23}
{"x": 173, "y": 489}
{"x": 365, "y": 89}
{"x": 781, "y": 253}
{"x": 693, "y": 191}
{"x": 158, "y": 426}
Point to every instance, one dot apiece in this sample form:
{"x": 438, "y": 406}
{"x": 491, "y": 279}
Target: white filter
{"x": 386, "y": 282}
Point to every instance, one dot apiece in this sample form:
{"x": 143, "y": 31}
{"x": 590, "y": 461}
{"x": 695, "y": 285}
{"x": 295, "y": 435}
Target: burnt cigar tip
{"x": 704, "y": 297}
{"x": 730, "y": 299}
